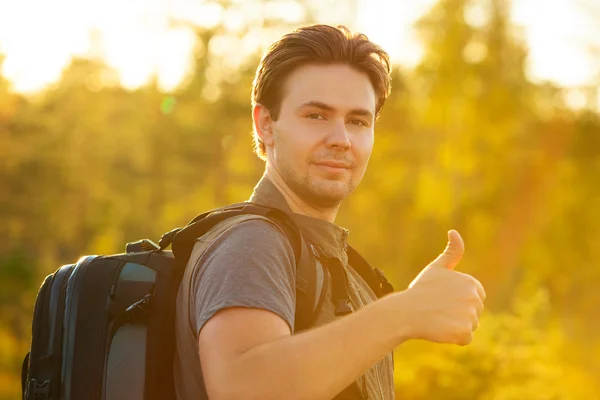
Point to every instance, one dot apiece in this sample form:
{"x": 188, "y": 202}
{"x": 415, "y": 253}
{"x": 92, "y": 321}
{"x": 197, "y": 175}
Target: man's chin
{"x": 330, "y": 194}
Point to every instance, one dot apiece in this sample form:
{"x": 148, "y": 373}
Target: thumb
{"x": 453, "y": 253}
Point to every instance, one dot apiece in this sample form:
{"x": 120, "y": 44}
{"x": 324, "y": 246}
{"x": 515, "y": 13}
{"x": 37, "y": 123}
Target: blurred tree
{"x": 476, "y": 116}
{"x": 520, "y": 355}
{"x": 465, "y": 142}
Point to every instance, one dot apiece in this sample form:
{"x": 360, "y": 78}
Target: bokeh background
{"x": 120, "y": 120}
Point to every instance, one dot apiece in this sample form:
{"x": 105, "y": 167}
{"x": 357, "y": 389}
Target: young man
{"x": 316, "y": 96}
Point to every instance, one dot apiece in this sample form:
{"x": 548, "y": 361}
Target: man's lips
{"x": 334, "y": 164}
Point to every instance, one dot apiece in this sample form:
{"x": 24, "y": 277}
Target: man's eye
{"x": 315, "y": 116}
{"x": 358, "y": 122}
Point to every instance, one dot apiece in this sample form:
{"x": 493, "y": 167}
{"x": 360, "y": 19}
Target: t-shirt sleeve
{"x": 250, "y": 265}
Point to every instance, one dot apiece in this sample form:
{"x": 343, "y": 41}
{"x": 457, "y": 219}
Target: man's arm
{"x": 249, "y": 353}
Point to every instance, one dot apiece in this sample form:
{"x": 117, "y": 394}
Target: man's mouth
{"x": 333, "y": 167}
{"x": 334, "y": 164}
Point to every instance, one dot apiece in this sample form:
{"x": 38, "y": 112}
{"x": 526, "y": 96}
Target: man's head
{"x": 316, "y": 95}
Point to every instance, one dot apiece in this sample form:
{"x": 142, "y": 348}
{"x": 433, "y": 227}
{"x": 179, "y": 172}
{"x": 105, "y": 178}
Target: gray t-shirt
{"x": 250, "y": 265}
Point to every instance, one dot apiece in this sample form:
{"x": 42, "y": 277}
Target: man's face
{"x": 324, "y": 135}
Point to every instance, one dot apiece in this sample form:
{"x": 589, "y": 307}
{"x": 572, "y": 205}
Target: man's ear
{"x": 263, "y": 124}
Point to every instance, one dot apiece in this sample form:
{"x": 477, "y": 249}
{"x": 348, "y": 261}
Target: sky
{"x": 39, "y": 37}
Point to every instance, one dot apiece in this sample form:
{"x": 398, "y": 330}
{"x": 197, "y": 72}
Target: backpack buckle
{"x": 139, "y": 310}
{"x": 342, "y": 307}
{"x": 386, "y": 286}
{"x": 167, "y": 238}
{"x": 141, "y": 245}
{"x": 38, "y": 391}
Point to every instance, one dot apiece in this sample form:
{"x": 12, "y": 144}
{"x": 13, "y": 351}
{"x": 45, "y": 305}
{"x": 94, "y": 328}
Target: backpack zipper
{"x": 34, "y": 386}
{"x": 345, "y": 239}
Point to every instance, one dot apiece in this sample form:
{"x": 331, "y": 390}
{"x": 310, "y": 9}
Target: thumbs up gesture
{"x": 446, "y": 304}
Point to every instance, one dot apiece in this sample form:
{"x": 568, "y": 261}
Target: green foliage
{"x": 517, "y": 354}
{"x": 465, "y": 141}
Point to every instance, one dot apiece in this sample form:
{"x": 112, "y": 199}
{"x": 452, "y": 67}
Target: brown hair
{"x": 317, "y": 44}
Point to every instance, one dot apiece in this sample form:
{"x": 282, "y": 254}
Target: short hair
{"x": 317, "y": 45}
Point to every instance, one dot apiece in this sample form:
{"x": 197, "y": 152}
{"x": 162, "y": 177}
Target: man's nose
{"x": 338, "y": 136}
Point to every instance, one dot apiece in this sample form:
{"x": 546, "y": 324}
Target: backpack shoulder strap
{"x": 182, "y": 239}
{"x": 312, "y": 281}
{"x": 311, "y": 278}
{"x": 374, "y": 277}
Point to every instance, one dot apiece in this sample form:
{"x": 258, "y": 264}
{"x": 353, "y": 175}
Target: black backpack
{"x": 104, "y": 327}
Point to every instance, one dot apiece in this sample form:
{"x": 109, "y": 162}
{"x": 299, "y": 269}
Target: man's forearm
{"x": 319, "y": 363}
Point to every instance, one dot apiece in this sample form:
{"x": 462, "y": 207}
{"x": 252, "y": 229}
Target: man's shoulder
{"x": 244, "y": 234}
{"x": 248, "y": 264}
{"x": 249, "y": 227}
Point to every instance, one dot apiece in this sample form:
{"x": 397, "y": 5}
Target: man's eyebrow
{"x": 362, "y": 111}
{"x": 327, "y": 107}
{"x": 317, "y": 104}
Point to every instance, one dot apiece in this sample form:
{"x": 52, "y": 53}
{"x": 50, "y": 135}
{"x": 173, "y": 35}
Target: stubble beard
{"x": 316, "y": 191}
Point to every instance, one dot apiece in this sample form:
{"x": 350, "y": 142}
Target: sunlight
{"x": 559, "y": 41}
{"x": 389, "y": 23}
{"x": 137, "y": 39}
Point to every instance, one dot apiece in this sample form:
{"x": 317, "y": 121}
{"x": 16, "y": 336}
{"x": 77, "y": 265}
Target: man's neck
{"x": 296, "y": 203}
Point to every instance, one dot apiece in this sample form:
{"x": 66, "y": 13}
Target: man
{"x": 316, "y": 96}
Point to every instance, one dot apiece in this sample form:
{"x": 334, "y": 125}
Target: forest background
{"x": 466, "y": 141}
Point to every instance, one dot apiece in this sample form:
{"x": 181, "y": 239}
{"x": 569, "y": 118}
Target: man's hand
{"x": 446, "y": 305}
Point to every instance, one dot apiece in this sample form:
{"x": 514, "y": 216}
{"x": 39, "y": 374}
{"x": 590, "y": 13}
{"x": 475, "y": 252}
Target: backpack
{"x": 104, "y": 327}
